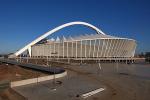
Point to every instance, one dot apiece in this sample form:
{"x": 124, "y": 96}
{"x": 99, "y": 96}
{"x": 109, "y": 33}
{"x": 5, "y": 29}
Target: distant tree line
{"x": 145, "y": 55}
{"x": 5, "y": 55}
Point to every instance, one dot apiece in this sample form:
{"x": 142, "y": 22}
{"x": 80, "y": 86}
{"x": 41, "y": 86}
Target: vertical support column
{"x": 134, "y": 49}
{"x": 128, "y": 48}
{"x": 42, "y": 51}
{"x": 131, "y": 50}
{"x": 39, "y": 51}
{"x": 49, "y": 50}
{"x": 98, "y": 48}
{"x": 112, "y": 48}
{"x": 90, "y": 49}
{"x": 81, "y": 48}
{"x": 67, "y": 54}
{"x": 121, "y": 48}
{"x": 108, "y": 51}
{"x": 118, "y": 48}
{"x": 29, "y": 50}
{"x": 102, "y": 47}
{"x": 58, "y": 51}
{"x": 76, "y": 49}
{"x": 94, "y": 49}
{"x": 123, "y": 51}
{"x": 116, "y": 45}
{"x": 85, "y": 47}
{"x": 63, "y": 49}
{"x": 106, "y": 46}
{"x": 116, "y": 53}
{"x": 99, "y": 67}
{"x": 72, "y": 49}
{"x": 81, "y": 52}
{"x": 67, "y": 50}
{"x": 54, "y": 50}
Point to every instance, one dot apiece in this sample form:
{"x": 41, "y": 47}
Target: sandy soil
{"x": 10, "y": 94}
{"x": 14, "y": 73}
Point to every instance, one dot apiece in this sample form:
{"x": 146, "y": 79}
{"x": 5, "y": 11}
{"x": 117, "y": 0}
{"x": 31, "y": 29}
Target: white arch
{"x": 28, "y": 47}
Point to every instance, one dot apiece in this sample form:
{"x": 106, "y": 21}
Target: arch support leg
{"x": 29, "y": 51}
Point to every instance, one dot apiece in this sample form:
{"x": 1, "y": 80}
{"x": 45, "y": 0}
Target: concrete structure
{"x": 88, "y": 46}
{"x": 28, "y": 47}
{"x": 38, "y": 79}
{"x": 97, "y": 45}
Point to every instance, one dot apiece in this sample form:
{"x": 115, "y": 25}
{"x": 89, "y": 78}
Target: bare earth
{"x": 10, "y": 73}
{"x": 14, "y": 73}
{"x": 127, "y": 82}
{"x": 10, "y": 94}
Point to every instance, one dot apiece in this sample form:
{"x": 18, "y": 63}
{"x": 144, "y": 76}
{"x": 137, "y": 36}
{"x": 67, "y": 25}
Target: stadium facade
{"x": 97, "y": 45}
{"x": 88, "y": 46}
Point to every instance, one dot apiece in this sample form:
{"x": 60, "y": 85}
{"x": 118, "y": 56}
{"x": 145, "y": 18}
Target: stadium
{"x": 91, "y": 46}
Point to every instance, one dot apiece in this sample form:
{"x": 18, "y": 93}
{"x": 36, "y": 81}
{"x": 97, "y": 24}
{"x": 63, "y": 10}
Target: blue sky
{"x": 21, "y": 21}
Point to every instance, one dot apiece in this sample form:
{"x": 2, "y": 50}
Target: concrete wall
{"x": 35, "y": 80}
{"x": 88, "y": 48}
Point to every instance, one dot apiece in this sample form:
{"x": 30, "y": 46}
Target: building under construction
{"x": 86, "y": 46}
{"x": 91, "y": 46}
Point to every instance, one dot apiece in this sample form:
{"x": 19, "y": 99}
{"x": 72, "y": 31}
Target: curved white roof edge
{"x": 28, "y": 47}
{"x": 93, "y": 36}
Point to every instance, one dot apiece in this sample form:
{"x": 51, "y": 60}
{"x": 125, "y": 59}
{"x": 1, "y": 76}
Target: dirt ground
{"x": 124, "y": 84}
{"x": 15, "y": 73}
{"x": 10, "y": 94}
{"x": 10, "y": 73}
{"x": 129, "y": 82}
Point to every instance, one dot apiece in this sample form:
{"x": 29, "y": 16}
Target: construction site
{"x": 91, "y": 67}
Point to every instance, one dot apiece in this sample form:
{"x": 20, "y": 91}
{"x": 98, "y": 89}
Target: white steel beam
{"x": 67, "y": 49}
{"x": 81, "y": 50}
{"x": 102, "y": 47}
{"x": 109, "y": 49}
{"x": 85, "y": 47}
{"x": 122, "y": 48}
{"x": 76, "y": 49}
{"x": 94, "y": 48}
{"x": 90, "y": 49}
{"x": 63, "y": 49}
{"x": 98, "y": 48}
{"x": 72, "y": 50}
{"x": 106, "y": 44}
{"x": 55, "y": 30}
{"x": 113, "y": 44}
